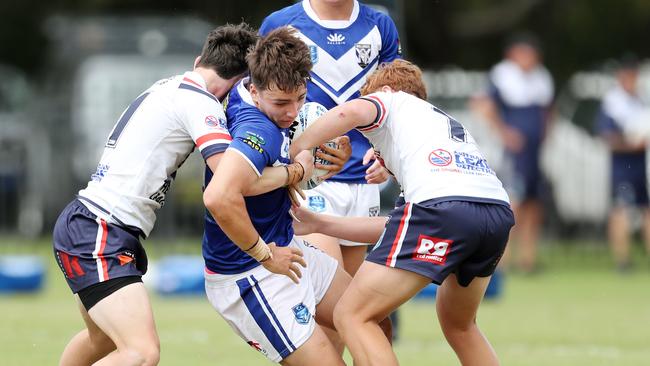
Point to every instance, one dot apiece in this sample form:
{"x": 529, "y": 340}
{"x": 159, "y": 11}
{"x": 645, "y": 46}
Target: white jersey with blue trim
{"x": 523, "y": 98}
{"x": 430, "y": 153}
{"x": 343, "y": 53}
{"x": 150, "y": 141}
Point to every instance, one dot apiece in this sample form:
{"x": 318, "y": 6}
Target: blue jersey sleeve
{"x": 259, "y": 143}
{"x": 390, "y": 46}
{"x": 267, "y": 25}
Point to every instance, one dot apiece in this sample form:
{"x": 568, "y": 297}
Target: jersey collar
{"x": 331, "y": 24}
{"x": 194, "y": 78}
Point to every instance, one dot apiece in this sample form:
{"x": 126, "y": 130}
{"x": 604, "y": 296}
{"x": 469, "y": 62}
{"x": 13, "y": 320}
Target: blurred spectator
{"x": 517, "y": 107}
{"x": 620, "y": 109}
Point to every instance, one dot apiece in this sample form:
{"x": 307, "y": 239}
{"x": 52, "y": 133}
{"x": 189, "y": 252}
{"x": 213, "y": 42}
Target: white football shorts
{"x": 268, "y": 311}
{"x": 343, "y": 199}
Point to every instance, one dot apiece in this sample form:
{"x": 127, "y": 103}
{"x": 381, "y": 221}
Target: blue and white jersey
{"x": 149, "y": 142}
{"x": 261, "y": 143}
{"x": 522, "y": 98}
{"x": 344, "y": 53}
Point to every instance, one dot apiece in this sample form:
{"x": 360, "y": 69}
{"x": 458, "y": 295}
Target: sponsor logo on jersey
{"x": 373, "y": 211}
{"x": 364, "y": 53}
{"x": 336, "y": 38}
{"x": 257, "y": 347}
{"x": 432, "y": 250}
{"x": 317, "y": 203}
{"x": 212, "y": 121}
{"x": 159, "y": 196}
{"x": 100, "y": 172}
{"x": 472, "y": 163}
{"x": 301, "y": 312}
{"x": 313, "y": 53}
{"x": 255, "y": 141}
{"x": 440, "y": 157}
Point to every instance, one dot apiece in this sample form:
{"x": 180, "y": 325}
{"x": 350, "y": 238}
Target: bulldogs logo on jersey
{"x": 301, "y": 312}
{"x": 364, "y": 53}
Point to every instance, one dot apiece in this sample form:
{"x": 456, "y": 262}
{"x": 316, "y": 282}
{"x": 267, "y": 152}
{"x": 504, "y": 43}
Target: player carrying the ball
{"x": 276, "y": 312}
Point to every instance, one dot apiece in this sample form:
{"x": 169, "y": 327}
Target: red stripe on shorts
{"x": 100, "y": 254}
{"x": 398, "y": 234}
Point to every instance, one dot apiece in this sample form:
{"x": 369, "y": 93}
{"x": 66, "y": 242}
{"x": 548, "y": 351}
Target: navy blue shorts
{"x": 89, "y": 250}
{"x": 630, "y": 190}
{"x": 436, "y": 238}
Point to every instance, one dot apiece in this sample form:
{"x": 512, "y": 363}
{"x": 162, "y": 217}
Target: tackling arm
{"x": 272, "y": 177}
{"x": 358, "y": 229}
{"x": 337, "y": 121}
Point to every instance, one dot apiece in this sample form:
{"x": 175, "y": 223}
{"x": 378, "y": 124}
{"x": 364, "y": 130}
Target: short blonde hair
{"x": 400, "y": 75}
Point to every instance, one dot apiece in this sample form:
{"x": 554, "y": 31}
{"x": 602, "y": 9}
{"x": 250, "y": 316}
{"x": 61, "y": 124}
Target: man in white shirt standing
{"x": 517, "y": 106}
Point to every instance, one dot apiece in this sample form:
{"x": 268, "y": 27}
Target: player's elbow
{"x": 215, "y": 200}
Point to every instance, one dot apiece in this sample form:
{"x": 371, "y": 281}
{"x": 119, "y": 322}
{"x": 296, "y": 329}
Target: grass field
{"x": 577, "y": 312}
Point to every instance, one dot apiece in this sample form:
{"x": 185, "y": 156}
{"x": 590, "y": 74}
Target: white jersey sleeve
{"x": 431, "y": 154}
{"x": 204, "y": 122}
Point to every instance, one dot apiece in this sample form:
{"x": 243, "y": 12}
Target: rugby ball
{"x": 309, "y": 113}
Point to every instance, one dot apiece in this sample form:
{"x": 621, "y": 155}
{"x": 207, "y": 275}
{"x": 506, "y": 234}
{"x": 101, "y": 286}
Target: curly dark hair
{"x": 225, "y": 49}
{"x": 280, "y": 60}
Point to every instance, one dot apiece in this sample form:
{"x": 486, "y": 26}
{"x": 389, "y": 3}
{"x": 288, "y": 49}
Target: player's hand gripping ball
{"x": 309, "y": 112}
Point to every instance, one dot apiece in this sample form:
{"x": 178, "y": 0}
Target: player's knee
{"x": 453, "y": 326}
{"x": 148, "y": 355}
{"x": 337, "y": 317}
{"x": 343, "y": 318}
